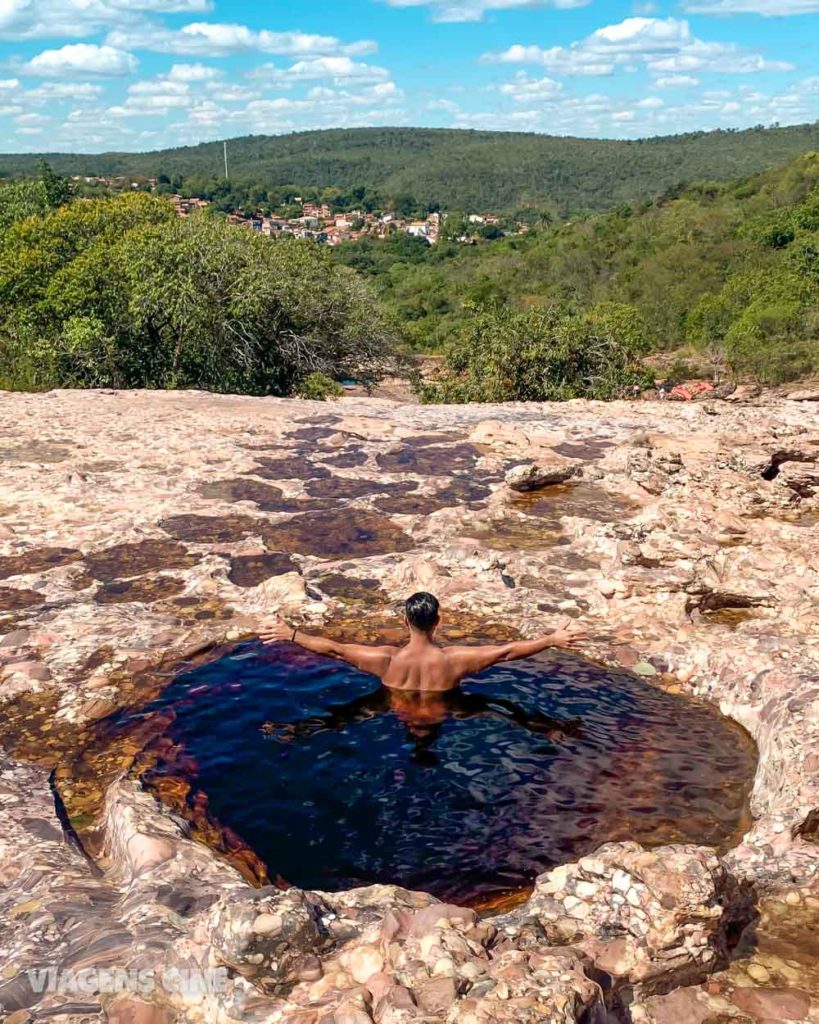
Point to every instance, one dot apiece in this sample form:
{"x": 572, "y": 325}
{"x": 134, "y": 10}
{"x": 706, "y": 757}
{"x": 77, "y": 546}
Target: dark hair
{"x": 422, "y": 611}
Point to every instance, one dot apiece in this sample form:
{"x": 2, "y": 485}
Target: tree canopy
{"x": 420, "y": 169}
{"x": 730, "y": 271}
{"x": 120, "y": 292}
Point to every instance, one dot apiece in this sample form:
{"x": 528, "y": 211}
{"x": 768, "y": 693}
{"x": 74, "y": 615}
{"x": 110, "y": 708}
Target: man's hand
{"x": 276, "y": 631}
{"x": 568, "y": 635}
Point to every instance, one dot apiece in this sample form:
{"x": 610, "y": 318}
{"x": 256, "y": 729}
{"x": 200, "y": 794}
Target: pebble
{"x": 757, "y": 973}
{"x": 268, "y": 924}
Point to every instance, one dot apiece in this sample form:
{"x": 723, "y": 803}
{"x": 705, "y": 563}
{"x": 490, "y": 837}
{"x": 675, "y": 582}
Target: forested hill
{"x": 458, "y": 169}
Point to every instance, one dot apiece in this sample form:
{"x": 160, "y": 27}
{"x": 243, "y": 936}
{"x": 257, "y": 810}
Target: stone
{"x": 775, "y": 1004}
{"x": 363, "y": 963}
{"x": 436, "y": 995}
{"x": 533, "y": 476}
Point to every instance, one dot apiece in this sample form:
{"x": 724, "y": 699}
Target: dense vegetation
{"x": 729, "y": 271}
{"x": 120, "y": 292}
{"x": 420, "y": 168}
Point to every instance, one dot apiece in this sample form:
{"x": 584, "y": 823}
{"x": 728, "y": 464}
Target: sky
{"x": 95, "y": 75}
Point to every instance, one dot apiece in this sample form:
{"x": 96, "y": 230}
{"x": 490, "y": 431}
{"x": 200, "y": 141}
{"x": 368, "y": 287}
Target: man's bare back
{"x": 421, "y": 664}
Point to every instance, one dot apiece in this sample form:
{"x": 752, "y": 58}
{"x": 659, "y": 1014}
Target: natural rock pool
{"x": 336, "y": 782}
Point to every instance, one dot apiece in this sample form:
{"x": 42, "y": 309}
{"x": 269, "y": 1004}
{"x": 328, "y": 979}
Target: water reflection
{"x": 334, "y": 782}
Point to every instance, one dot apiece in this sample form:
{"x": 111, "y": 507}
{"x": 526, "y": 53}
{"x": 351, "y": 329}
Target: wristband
{"x": 293, "y": 637}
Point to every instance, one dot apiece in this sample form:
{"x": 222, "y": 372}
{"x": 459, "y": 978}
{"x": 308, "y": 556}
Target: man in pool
{"x": 421, "y": 665}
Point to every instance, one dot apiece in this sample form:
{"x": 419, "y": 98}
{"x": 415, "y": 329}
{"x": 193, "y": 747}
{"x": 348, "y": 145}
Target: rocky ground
{"x": 139, "y": 529}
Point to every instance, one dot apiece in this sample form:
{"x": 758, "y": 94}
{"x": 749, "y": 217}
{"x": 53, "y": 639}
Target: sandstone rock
{"x": 805, "y": 395}
{"x": 532, "y": 476}
{"x": 774, "y": 1003}
{"x": 646, "y": 915}
{"x": 274, "y": 936}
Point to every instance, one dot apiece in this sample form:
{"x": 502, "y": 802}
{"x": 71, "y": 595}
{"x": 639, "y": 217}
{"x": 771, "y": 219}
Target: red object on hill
{"x": 690, "y": 390}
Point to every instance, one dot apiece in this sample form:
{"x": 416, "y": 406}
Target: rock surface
{"x": 140, "y": 528}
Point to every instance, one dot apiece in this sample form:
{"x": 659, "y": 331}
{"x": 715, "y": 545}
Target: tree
{"x": 121, "y": 292}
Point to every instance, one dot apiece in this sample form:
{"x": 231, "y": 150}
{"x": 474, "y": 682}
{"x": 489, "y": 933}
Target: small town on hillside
{"x": 319, "y": 221}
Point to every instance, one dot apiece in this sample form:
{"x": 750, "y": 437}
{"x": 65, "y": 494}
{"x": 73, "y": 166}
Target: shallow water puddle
{"x": 730, "y": 617}
{"x": 124, "y": 561}
{"x": 585, "y": 500}
{"x": 34, "y": 451}
{"x": 351, "y": 590}
{"x": 429, "y": 460}
{"x": 145, "y": 590}
{"x": 351, "y": 533}
{"x": 355, "y": 487}
{"x": 349, "y": 458}
{"x": 292, "y": 468}
{"x": 213, "y": 529}
{"x": 251, "y": 570}
{"x": 459, "y": 491}
{"x": 14, "y": 600}
{"x": 335, "y": 782}
{"x": 586, "y": 449}
{"x": 37, "y": 561}
{"x": 267, "y": 497}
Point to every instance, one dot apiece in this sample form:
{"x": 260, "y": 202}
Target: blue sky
{"x": 90, "y": 75}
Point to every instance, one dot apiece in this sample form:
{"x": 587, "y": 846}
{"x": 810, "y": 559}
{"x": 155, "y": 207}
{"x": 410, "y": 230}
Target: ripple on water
{"x": 336, "y": 782}
{"x": 351, "y": 589}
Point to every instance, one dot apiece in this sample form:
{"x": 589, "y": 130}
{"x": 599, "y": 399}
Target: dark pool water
{"x": 335, "y": 782}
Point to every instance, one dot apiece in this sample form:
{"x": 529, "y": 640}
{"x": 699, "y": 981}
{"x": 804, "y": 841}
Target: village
{"x": 318, "y": 220}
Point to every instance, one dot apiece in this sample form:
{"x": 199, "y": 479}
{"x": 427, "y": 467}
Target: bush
{"x": 120, "y": 292}
{"x": 543, "y": 355}
{"x": 319, "y": 387}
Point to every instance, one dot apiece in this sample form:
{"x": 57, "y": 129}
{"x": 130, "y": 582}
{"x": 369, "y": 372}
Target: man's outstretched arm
{"x": 375, "y": 660}
{"x": 467, "y": 660}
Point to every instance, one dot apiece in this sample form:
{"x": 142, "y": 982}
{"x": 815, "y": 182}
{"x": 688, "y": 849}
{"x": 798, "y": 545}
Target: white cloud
{"x": 193, "y": 73}
{"x": 475, "y": 10}
{"x": 767, "y": 8}
{"x": 676, "y": 81}
{"x": 339, "y": 69}
{"x": 53, "y": 19}
{"x": 662, "y": 45}
{"x": 214, "y": 39}
{"x": 523, "y": 89}
{"x": 76, "y": 92}
{"x": 81, "y": 59}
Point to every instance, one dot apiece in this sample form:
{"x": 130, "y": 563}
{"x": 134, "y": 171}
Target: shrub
{"x": 543, "y": 355}
{"x": 319, "y": 387}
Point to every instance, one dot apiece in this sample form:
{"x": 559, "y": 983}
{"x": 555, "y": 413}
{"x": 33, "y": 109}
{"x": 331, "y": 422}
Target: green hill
{"x": 728, "y": 270}
{"x": 456, "y": 169}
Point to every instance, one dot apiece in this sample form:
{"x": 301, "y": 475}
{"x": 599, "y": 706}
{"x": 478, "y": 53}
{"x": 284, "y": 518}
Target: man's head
{"x": 422, "y": 612}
